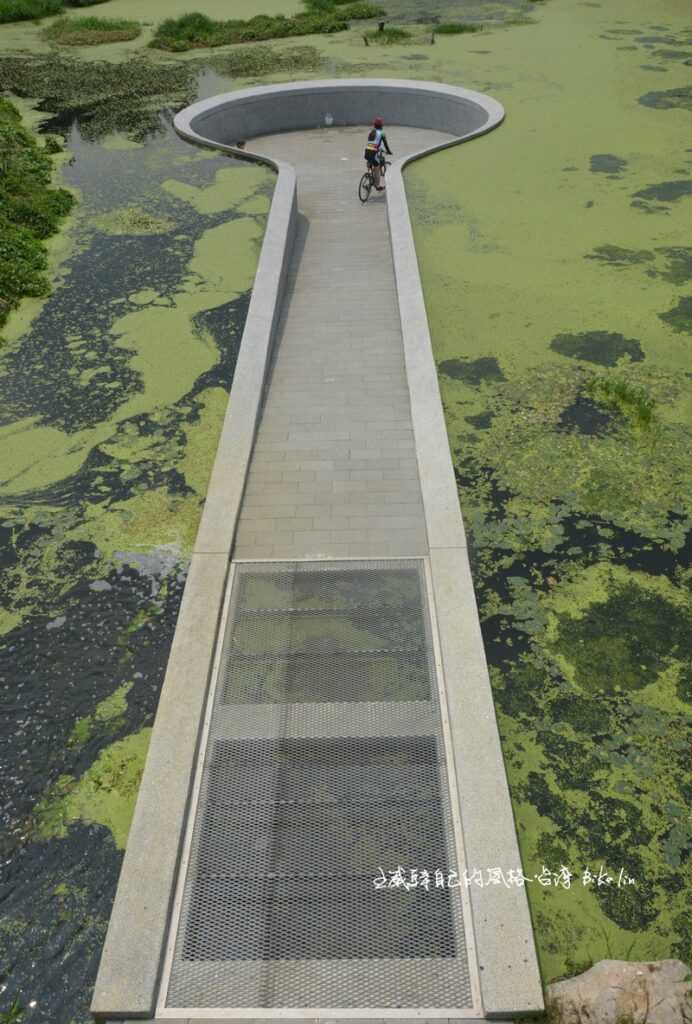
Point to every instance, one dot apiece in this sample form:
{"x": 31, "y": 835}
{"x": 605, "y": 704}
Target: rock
{"x": 620, "y": 992}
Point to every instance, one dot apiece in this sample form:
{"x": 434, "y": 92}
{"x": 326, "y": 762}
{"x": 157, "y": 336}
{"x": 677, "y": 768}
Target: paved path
{"x": 334, "y": 471}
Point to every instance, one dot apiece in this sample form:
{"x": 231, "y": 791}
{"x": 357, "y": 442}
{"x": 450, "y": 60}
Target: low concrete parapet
{"x": 267, "y": 110}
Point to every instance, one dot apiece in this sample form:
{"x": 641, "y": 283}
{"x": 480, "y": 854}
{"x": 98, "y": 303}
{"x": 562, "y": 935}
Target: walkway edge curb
{"x": 131, "y": 961}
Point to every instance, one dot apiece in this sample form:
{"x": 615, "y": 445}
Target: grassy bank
{"x": 30, "y": 211}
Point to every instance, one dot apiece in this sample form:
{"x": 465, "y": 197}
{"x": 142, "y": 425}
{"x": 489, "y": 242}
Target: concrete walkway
{"x": 335, "y": 450}
{"x": 334, "y": 470}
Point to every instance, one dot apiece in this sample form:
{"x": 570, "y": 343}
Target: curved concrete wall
{"x": 247, "y": 113}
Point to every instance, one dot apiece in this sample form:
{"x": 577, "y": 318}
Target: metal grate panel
{"x": 324, "y": 763}
{"x": 342, "y": 640}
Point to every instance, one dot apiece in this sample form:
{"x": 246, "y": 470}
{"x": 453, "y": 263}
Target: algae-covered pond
{"x": 556, "y": 264}
{"x": 113, "y": 393}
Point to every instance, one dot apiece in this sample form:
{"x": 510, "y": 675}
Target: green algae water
{"x": 113, "y": 394}
{"x": 556, "y": 266}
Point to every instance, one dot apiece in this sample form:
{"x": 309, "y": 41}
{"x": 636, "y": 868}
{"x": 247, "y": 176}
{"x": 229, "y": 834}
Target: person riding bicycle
{"x": 375, "y": 149}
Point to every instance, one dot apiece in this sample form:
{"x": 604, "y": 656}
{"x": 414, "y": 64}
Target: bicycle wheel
{"x": 365, "y": 187}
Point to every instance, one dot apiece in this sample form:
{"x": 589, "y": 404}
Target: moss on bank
{"x": 30, "y": 211}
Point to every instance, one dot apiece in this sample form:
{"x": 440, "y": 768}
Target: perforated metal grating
{"x": 324, "y": 763}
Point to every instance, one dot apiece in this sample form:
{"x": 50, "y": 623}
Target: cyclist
{"x": 375, "y": 149}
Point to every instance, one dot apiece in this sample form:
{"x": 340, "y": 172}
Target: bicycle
{"x": 367, "y": 182}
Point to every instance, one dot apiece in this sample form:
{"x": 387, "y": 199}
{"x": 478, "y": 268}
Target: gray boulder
{"x": 620, "y": 992}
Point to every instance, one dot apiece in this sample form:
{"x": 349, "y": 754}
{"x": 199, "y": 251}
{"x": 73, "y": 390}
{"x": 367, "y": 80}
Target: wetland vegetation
{"x": 387, "y": 35}
{"x": 91, "y": 31}
{"x": 198, "y": 30}
{"x": 30, "y": 211}
{"x": 24, "y": 10}
{"x": 455, "y": 28}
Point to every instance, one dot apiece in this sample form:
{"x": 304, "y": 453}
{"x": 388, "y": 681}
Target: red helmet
{"x": 378, "y": 122}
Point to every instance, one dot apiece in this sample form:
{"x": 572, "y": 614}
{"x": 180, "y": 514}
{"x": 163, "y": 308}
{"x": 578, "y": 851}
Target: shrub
{"x": 184, "y": 32}
{"x": 30, "y": 210}
{"x": 90, "y": 31}
{"x": 27, "y": 10}
{"x": 455, "y": 28}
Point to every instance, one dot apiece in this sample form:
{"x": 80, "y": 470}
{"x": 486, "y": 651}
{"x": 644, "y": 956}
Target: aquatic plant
{"x": 102, "y": 96}
{"x": 455, "y": 28}
{"x": 14, "y": 1015}
{"x": 198, "y": 30}
{"x": 262, "y": 60}
{"x": 630, "y": 399}
{"x": 30, "y": 211}
{"x": 90, "y": 31}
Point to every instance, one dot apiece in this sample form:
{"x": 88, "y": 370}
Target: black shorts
{"x": 372, "y": 157}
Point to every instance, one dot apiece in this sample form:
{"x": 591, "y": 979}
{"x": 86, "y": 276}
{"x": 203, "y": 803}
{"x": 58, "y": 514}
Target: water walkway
{"x": 334, "y": 470}
{"x": 326, "y": 720}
